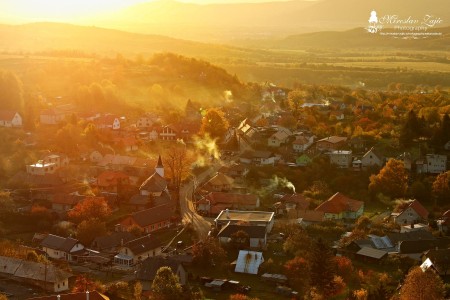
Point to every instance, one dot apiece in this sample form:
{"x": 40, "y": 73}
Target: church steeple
{"x": 159, "y": 167}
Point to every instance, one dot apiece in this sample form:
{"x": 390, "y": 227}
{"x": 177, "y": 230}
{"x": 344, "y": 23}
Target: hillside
{"x": 51, "y": 36}
{"x": 231, "y": 21}
{"x": 354, "y": 38}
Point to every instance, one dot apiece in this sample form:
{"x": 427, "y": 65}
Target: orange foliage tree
{"x": 90, "y": 208}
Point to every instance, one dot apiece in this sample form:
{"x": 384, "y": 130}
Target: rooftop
{"x": 238, "y": 215}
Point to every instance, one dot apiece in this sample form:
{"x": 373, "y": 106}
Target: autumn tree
{"x": 240, "y": 239}
{"x": 68, "y": 138}
{"x": 90, "y": 208}
{"x": 441, "y": 188}
{"x": 137, "y": 291}
{"x": 344, "y": 267}
{"x": 208, "y": 252}
{"x": 84, "y": 283}
{"x": 420, "y": 285}
{"x": 297, "y": 270}
{"x": 214, "y": 123}
{"x": 88, "y": 230}
{"x": 295, "y": 99}
{"x": 323, "y": 268}
{"x": 178, "y": 161}
{"x": 392, "y": 180}
{"x": 165, "y": 286}
{"x": 297, "y": 242}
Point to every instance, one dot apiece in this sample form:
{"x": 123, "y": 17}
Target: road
{"x": 201, "y": 226}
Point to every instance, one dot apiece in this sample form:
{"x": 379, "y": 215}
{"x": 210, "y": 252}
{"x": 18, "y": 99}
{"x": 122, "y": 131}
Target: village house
{"x": 309, "y": 217}
{"x": 444, "y": 222}
{"x": 339, "y": 207}
{"x": 258, "y": 158}
{"x": 372, "y": 158}
{"x": 65, "y": 202}
{"x": 146, "y": 121}
{"x": 341, "y": 158}
{"x": 281, "y": 136}
{"x": 219, "y": 183}
{"x": 437, "y": 259}
{"x": 413, "y": 213}
{"x": 291, "y": 202}
{"x": 10, "y": 119}
{"x": 137, "y": 250}
{"x": 57, "y": 247}
{"x": 168, "y": 133}
{"x": 107, "y": 121}
{"x": 215, "y": 202}
{"x": 236, "y": 171}
{"x": 150, "y": 219}
{"x": 49, "y": 164}
{"x": 257, "y": 234}
{"x": 432, "y": 164}
{"x": 331, "y": 143}
{"x": 45, "y": 276}
{"x": 149, "y": 267}
{"x": 259, "y": 218}
{"x": 302, "y": 143}
{"x": 52, "y": 116}
{"x": 113, "y": 181}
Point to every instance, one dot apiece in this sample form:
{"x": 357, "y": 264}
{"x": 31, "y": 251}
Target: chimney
{"x": 87, "y": 295}
{"x": 227, "y": 214}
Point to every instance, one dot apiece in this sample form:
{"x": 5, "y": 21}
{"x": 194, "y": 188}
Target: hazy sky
{"x": 72, "y": 10}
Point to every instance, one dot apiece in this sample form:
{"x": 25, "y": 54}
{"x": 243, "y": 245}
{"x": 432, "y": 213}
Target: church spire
{"x": 159, "y": 167}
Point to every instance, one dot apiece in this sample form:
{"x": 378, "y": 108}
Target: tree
{"x": 178, "y": 161}
{"x": 84, "y": 283}
{"x": 137, "y": 290}
{"x": 344, "y": 267}
{"x": 165, "y": 286}
{"x": 11, "y": 97}
{"x": 240, "y": 239}
{"x": 214, "y": 123}
{"x": 88, "y": 230}
{"x": 208, "y": 252}
{"x": 413, "y": 128}
{"x": 420, "y": 285}
{"x": 90, "y": 208}
{"x": 298, "y": 242}
{"x": 295, "y": 100}
{"x": 297, "y": 270}
{"x": 392, "y": 180}
{"x": 119, "y": 290}
{"x": 441, "y": 188}
{"x": 323, "y": 268}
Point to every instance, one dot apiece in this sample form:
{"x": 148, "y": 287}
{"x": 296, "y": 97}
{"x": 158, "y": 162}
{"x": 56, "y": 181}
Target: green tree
{"x": 413, "y": 128}
{"x": 165, "y": 285}
{"x": 214, "y": 123}
{"x": 441, "y": 188}
{"x": 208, "y": 252}
{"x": 11, "y": 95}
{"x": 420, "y": 285}
{"x": 392, "y": 180}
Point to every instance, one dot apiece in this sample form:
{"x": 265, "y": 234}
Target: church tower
{"x": 159, "y": 167}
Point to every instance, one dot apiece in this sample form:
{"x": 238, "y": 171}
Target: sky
{"x": 73, "y": 10}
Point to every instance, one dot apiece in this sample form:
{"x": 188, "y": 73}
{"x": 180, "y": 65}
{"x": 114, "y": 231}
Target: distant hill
{"x": 355, "y": 38}
{"x": 231, "y": 21}
{"x": 56, "y": 36}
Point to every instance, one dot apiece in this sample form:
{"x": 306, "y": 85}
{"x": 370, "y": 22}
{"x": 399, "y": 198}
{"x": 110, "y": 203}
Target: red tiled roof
{"x": 299, "y": 199}
{"x": 419, "y": 209}
{"x": 339, "y": 203}
{"x": 301, "y": 140}
{"x": 6, "y": 115}
{"x": 333, "y": 139}
{"x": 230, "y": 198}
{"x": 111, "y": 178}
{"x": 311, "y": 215}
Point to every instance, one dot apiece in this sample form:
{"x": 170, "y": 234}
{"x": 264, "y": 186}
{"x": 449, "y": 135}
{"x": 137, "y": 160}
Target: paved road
{"x": 188, "y": 213}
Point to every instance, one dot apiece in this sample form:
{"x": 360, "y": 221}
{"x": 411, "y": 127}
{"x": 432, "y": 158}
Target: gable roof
{"x": 220, "y": 179}
{"x": 112, "y": 240}
{"x": 299, "y": 199}
{"x": 252, "y": 231}
{"x": 6, "y": 115}
{"x": 143, "y": 244}
{"x": 340, "y": 203}
{"x": 248, "y": 262}
{"x": 374, "y": 152}
{"x": 420, "y": 246}
{"x": 152, "y": 215}
{"x": 416, "y": 235}
{"x": 440, "y": 258}
{"x": 111, "y": 178}
{"x": 32, "y": 270}
{"x": 301, "y": 140}
{"x": 94, "y": 295}
{"x": 333, "y": 139}
{"x": 372, "y": 253}
{"x": 279, "y": 135}
{"x": 231, "y": 198}
{"x": 418, "y": 208}
{"x": 311, "y": 215}
{"x": 154, "y": 184}
{"x": 150, "y": 266}
{"x": 59, "y": 243}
